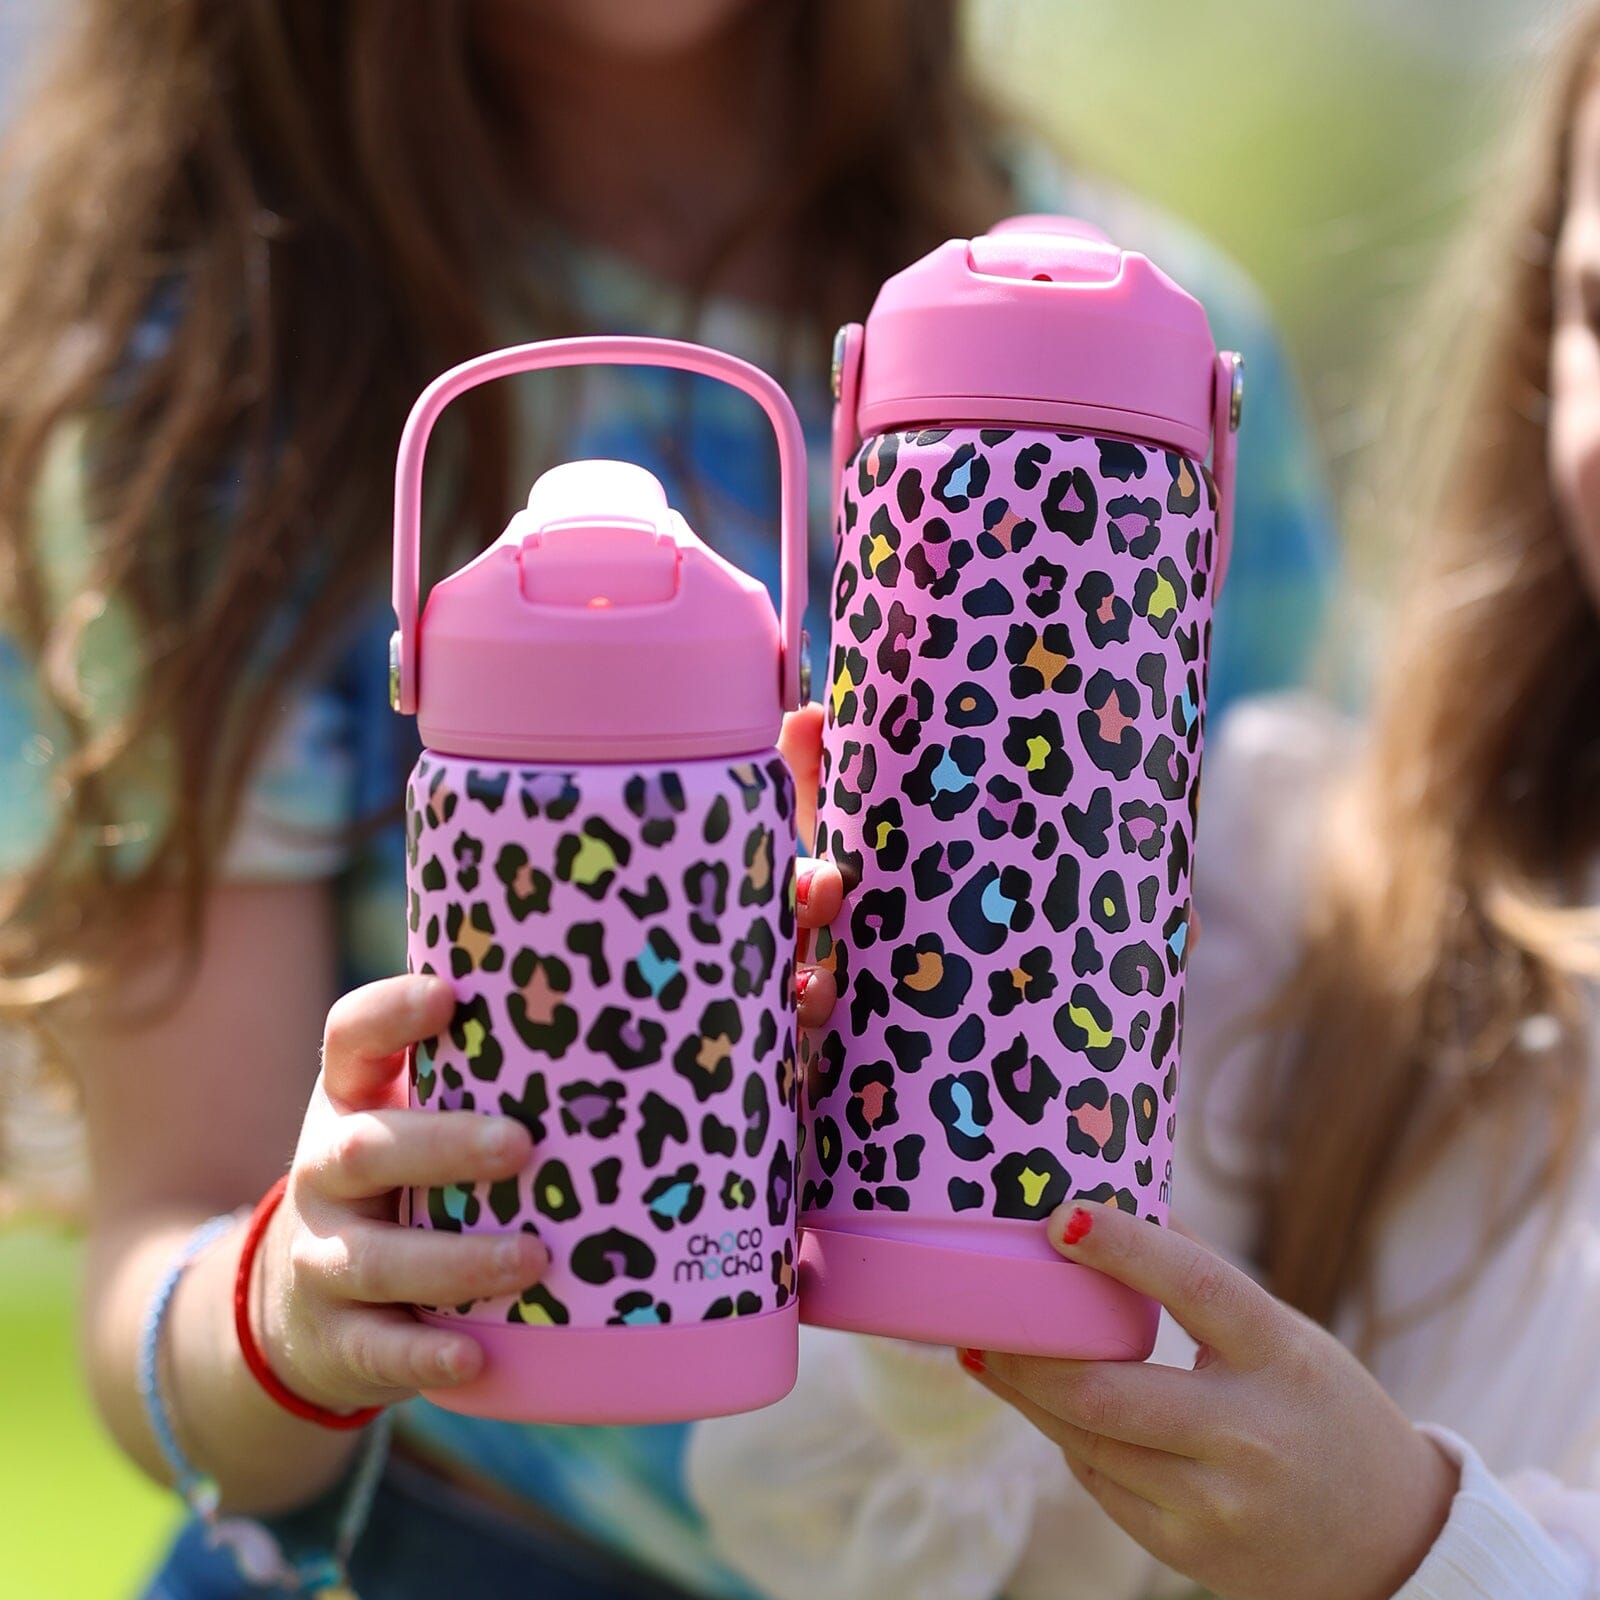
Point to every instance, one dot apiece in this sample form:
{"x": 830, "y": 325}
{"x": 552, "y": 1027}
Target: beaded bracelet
{"x": 255, "y": 1551}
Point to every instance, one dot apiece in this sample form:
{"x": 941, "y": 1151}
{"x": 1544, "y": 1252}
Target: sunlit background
{"x": 1328, "y": 145}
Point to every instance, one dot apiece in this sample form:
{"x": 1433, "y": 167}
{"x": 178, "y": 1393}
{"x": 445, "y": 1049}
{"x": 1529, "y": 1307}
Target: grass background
{"x": 1327, "y": 144}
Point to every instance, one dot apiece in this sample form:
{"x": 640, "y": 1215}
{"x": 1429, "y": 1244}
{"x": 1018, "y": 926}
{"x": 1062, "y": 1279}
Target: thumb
{"x": 800, "y": 744}
{"x": 368, "y": 1031}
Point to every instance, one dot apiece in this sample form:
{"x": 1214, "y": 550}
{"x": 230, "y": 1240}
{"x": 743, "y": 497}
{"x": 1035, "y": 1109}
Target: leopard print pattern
{"x": 1021, "y": 627}
{"x": 621, "y": 946}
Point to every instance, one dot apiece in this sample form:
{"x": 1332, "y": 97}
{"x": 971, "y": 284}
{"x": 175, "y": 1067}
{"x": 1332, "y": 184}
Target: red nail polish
{"x": 1078, "y": 1226}
{"x": 802, "y": 888}
{"x": 801, "y": 983}
{"x": 973, "y": 1361}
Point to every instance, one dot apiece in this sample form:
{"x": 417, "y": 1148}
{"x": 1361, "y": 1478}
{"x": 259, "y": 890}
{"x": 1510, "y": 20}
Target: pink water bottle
{"x": 1028, "y": 545}
{"x": 600, "y": 837}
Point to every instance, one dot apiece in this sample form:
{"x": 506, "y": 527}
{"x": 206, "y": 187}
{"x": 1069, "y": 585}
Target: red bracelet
{"x": 253, "y": 1358}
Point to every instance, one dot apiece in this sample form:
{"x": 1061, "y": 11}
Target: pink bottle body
{"x": 1028, "y": 547}
{"x": 1011, "y": 757}
{"x": 620, "y": 938}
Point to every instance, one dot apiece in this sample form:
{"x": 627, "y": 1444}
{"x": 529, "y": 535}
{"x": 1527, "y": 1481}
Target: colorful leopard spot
{"x": 943, "y": 778}
{"x": 894, "y": 652}
{"x": 873, "y": 1103}
{"x": 1024, "y": 1082}
{"x": 541, "y": 1017}
{"x": 554, "y": 1194}
{"x": 962, "y": 479}
{"x": 757, "y": 1114}
{"x": 756, "y": 889}
{"x": 929, "y": 979}
{"x": 753, "y": 957}
{"x": 1029, "y": 1184}
{"x": 675, "y": 1198}
{"x": 527, "y": 889}
{"x": 603, "y": 1257}
{"x": 1176, "y": 936}
{"x": 1097, "y": 1120}
{"x": 1031, "y": 981}
{"x": 705, "y": 1058}
{"x": 591, "y": 858}
{"x": 961, "y": 1104}
{"x": 1121, "y": 459}
{"x": 780, "y": 1185}
{"x": 627, "y": 1040}
{"x": 747, "y": 1303}
{"x": 1137, "y": 969}
{"x": 1108, "y": 724}
{"x": 469, "y": 857}
{"x": 1084, "y": 1025}
{"x": 970, "y": 705}
{"x": 472, "y": 946}
{"x": 738, "y": 1192}
{"x": 472, "y": 1033}
{"x": 1134, "y": 525}
{"x": 538, "y": 1308}
{"x": 1108, "y": 902}
{"x": 705, "y": 889}
{"x": 656, "y": 973}
{"x": 551, "y": 795}
{"x": 990, "y": 906}
{"x": 1146, "y": 1108}
{"x": 656, "y": 801}
{"x": 487, "y": 789}
{"x": 592, "y": 1109}
{"x": 1005, "y": 532}
{"x": 1143, "y": 829}
{"x": 1106, "y": 1194}
{"x": 639, "y": 1309}
{"x": 1037, "y": 747}
{"x": 1072, "y": 505}
{"x": 454, "y": 1207}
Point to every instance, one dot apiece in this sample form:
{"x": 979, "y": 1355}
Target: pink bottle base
{"x": 938, "y": 1295}
{"x": 626, "y": 1375}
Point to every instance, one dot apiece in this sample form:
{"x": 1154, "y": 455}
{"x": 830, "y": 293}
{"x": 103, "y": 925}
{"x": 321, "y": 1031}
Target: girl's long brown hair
{"x": 277, "y": 187}
{"x": 1438, "y": 992}
{"x": 280, "y": 183}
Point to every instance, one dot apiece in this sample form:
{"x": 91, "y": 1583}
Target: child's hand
{"x": 819, "y": 891}
{"x": 338, "y": 1272}
{"x": 1277, "y": 1468}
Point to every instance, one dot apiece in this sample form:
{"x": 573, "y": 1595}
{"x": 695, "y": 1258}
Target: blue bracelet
{"x": 253, "y": 1547}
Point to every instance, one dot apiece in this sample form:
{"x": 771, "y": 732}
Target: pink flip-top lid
{"x": 1043, "y": 321}
{"x": 1042, "y": 313}
{"x": 598, "y": 627}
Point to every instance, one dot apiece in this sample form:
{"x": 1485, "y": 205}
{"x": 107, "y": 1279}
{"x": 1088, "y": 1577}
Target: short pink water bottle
{"x": 600, "y": 836}
{"x": 1028, "y": 546}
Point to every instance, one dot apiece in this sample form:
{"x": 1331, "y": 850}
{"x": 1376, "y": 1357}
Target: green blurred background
{"x": 1328, "y": 147}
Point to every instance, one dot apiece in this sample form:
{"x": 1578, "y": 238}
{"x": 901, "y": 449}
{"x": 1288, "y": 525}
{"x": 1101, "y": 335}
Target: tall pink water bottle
{"x": 601, "y": 841}
{"x": 1028, "y": 545}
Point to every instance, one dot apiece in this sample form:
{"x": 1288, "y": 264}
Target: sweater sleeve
{"x": 1522, "y": 1537}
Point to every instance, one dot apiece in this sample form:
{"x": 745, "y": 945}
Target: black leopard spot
{"x": 908, "y": 494}
{"x": 752, "y": 958}
{"x": 1045, "y": 581}
{"x": 1102, "y": 1193}
{"x": 629, "y": 1041}
{"x": 649, "y": 902}
{"x": 1090, "y": 828}
{"x": 1108, "y": 725}
{"x": 603, "y": 1257}
{"x": 659, "y": 1121}
{"x": 894, "y": 652}
{"x": 1086, "y": 957}
{"x": 1097, "y": 1123}
{"x": 1029, "y": 465}
{"x": 964, "y": 1194}
{"x": 553, "y": 1192}
{"x": 488, "y": 792}
{"x": 1071, "y": 505}
{"x": 878, "y": 914}
{"x": 469, "y": 857}
{"x": 1175, "y": 934}
{"x": 718, "y": 818}
{"x": 966, "y": 1043}
{"x": 1168, "y": 767}
{"x": 856, "y": 773}
{"x": 1084, "y": 1024}
{"x": 1120, "y": 459}
{"x": 962, "y": 479}
{"x": 472, "y": 1033}
{"x": 928, "y": 874}
{"x": 656, "y": 801}
{"x": 1037, "y": 747}
{"x": 1029, "y": 1184}
{"x": 990, "y": 906}
{"x": 675, "y": 1197}
{"x": 587, "y": 941}
{"x": 908, "y": 1157}
{"x": 505, "y": 1200}
{"x": 941, "y": 639}
{"x": 1166, "y": 1034}
{"x": 529, "y": 1107}
{"x": 1177, "y": 858}
{"x": 868, "y": 999}
{"x": 929, "y": 979}
{"x": 433, "y": 876}
{"x": 746, "y": 1304}
{"x": 983, "y": 652}
{"x": 1024, "y": 1082}
{"x": 961, "y": 1103}
{"x": 910, "y": 1050}
{"x": 1061, "y": 898}
{"x": 991, "y": 599}
{"x": 594, "y": 1109}
{"x": 865, "y": 621}
{"x": 607, "y": 1176}
{"x": 718, "y": 1138}
{"x": 757, "y": 1114}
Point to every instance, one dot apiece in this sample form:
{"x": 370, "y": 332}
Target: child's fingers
{"x": 800, "y": 744}
{"x": 379, "y": 1263}
{"x": 367, "y": 1153}
{"x": 1152, "y": 1474}
{"x": 819, "y": 892}
{"x": 815, "y": 996}
{"x": 387, "y": 1355}
{"x": 1134, "y": 1402}
{"x": 1214, "y": 1302}
{"x": 368, "y": 1031}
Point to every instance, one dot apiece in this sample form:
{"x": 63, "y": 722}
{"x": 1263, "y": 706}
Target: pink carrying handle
{"x": 620, "y": 350}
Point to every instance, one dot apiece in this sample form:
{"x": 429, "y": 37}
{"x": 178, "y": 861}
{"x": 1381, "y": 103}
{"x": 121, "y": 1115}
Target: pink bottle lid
{"x": 598, "y": 626}
{"x": 1043, "y": 321}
